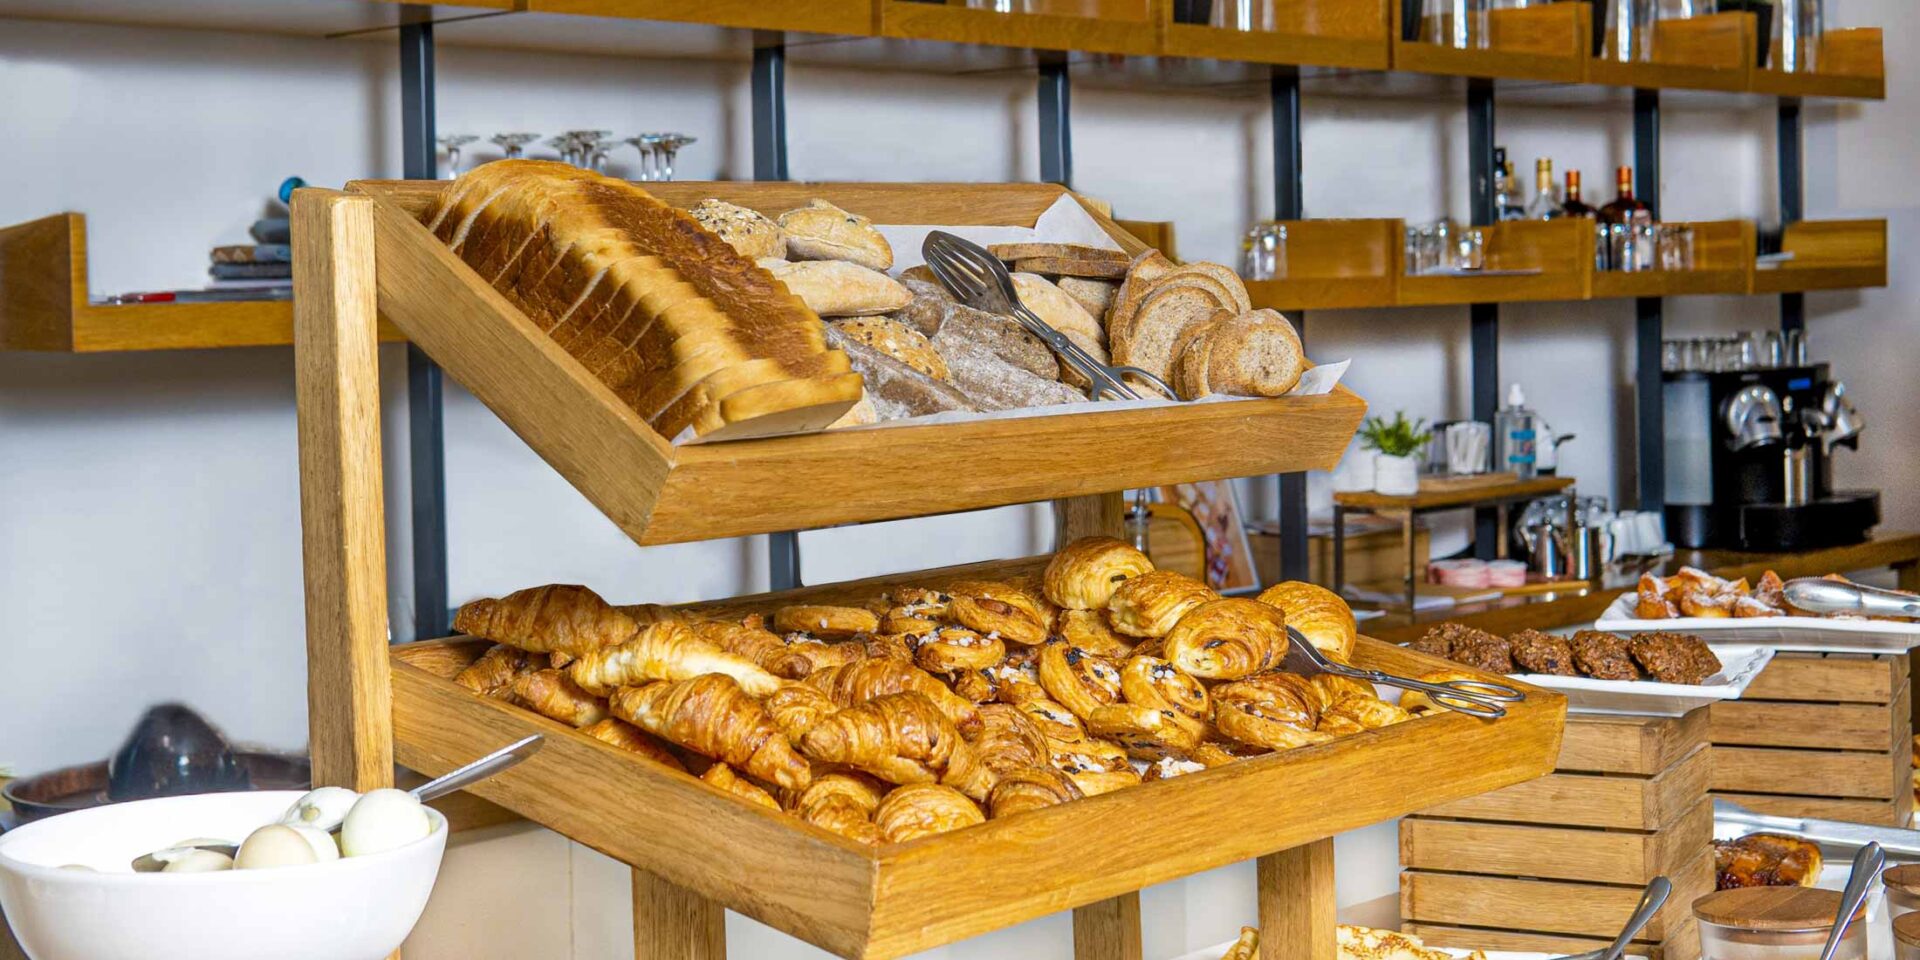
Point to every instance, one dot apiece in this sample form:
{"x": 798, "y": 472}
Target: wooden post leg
{"x": 337, "y": 381}
{"x": 1108, "y": 930}
{"x": 1907, "y": 577}
{"x": 671, "y": 922}
{"x": 1099, "y": 515}
{"x": 1297, "y": 905}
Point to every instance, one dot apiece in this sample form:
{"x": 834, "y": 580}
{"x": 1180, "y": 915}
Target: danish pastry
{"x": 1084, "y": 574}
{"x": 1090, "y": 631}
{"x": 889, "y": 646}
{"x": 1017, "y": 679}
{"x": 898, "y": 737}
{"x": 1365, "y": 711}
{"x": 667, "y": 650}
{"x": 950, "y": 649}
{"x": 1332, "y": 688}
{"x": 1167, "y": 768}
{"x": 998, "y": 619}
{"x": 712, "y": 716}
{"x": 722, "y": 777}
{"x": 1277, "y": 711}
{"x": 1228, "y": 639}
{"x": 1318, "y": 613}
{"x": 1145, "y": 733}
{"x": 755, "y": 642}
{"x": 1093, "y": 783}
{"x": 1219, "y": 753}
{"x": 493, "y": 674}
{"x": 825, "y": 622}
{"x": 1031, "y": 788}
{"x": 1008, "y": 740}
{"x": 856, "y": 683}
{"x": 632, "y": 739}
{"x": 974, "y": 685}
{"x": 1155, "y": 684}
{"x": 1091, "y": 754}
{"x": 1078, "y": 680}
{"x": 922, "y": 810}
{"x": 551, "y": 694}
{"x": 821, "y": 654}
{"x": 1056, "y": 722}
{"x": 565, "y": 617}
{"x": 1150, "y": 604}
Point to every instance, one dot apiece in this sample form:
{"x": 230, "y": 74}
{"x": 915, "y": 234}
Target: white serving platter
{"x": 1808, "y": 634}
{"x": 1739, "y": 663}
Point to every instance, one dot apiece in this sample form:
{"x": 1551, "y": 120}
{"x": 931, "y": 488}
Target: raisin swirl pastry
{"x": 898, "y": 737}
{"x": 950, "y": 649}
{"x": 975, "y": 685}
{"x": 632, "y": 739}
{"x": 1093, "y": 770}
{"x": 722, "y": 777}
{"x": 922, "y": 810}
{"x": 1277, "y": 711}
{"x": 1089, "y": 630}
{"x": 666, "y": 650}
{"x": 864, "y": 680}
{"x": 1145, "y": 733}
{"x": 1219, "y": 753}
{"x": 711, "y": 715}
{"x": 1334, "y": 688}
{"x": 1084, "y": 574}
{"x": 1031, "y": 788}
{"x": 1078, "y": 680}
{"x": 1154, "y": 683}
{"x": 1008, "y": 740}
{"x": 1318, "y": 613}
{"x": 1056, "y": 722}
{"x": 826, "y": 622}
{"x": 1359, "y": 712}
{"x": 999, "y": 619}
{"x": 1228, "y": 639}
{"x": 1150, "y": 604}
{"x": 1017, "y": 679}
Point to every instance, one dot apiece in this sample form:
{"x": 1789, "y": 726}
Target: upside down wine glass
{"x": 514, "y": 145}
{"x": 452, "y": 143}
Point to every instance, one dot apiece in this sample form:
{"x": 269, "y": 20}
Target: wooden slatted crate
{"x": 1556, "y": 864}
{"x": 1820, "y": 735}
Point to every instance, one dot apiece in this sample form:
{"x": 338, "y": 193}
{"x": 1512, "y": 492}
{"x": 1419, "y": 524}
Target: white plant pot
{"x": 1396, "y": 476}
{"x": 1355, "y": 474}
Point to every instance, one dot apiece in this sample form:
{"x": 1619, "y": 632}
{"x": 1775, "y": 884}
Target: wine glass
{"x": 513, "y": 144}
{"x": 648, "y": 145}
{"x": 594, "y": 145}
{"x": 669, "y": 144}
{"x": 568, "y": 145}
{"x": 452, "y": 143}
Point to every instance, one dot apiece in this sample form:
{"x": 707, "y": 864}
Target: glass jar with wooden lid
{"x": 1906, "y": 935}
{"x": 1903, "y": 889}
{"x": 1775, "y": 923}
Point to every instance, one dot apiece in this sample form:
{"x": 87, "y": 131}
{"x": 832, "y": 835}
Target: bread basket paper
{"x": 1066, "y": 221}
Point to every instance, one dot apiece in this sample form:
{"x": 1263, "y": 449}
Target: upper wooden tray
{"x": 899, "y": 899}
{"x": 659, "y": 493}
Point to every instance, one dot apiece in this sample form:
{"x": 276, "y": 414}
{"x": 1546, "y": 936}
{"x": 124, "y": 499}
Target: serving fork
{"x": 979, "y": 280}
{"x": 1476, "y": 698}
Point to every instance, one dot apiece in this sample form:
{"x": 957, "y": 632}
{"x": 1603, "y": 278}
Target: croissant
{"x": 839, "y": 815}
{"x": 1144, "y": 732}
{"x": 1156, "y": 684}
{"x": 1150, "y": 604}
{"x": 550, "y": 694}
{"x": 493, "y": 674}
{"x": 834, "y": 623}
{"x": 722, "y": 776}
{"x": 797, "y": 708}
{"x": 922, "y": 810}
{"x": 1008, "y": 740}
{"x": 563, "y": 617}
{"x": 1318, "y": 613}
{"x": 1078, "y": 680}
{"x": 1228, "y": 639}
{"x": 1084, "y": 574}
{"x": 858, "y": 790}
{"x": 898, "y": 737}
{"x": 821, "y": 654}
{"x": 756, "y": 643}
{"x": 1278, "y": 711}
{"x": 1031, "y": 788}
{"x": 630, "y": 738}
{"x": 1017, "y": 679}
{"x": 1245, "y": 948}
{"x": 1089, "y": 630}
{"x": 712, "y": 715}
{"x": 665, "y": 650}
{"x": 864, "y": 680}
{"x": 949, "y": 649}
{"x": 1055, "y": 721}
{"x": 998, "y": 619}
{"x": 645, "y": 613}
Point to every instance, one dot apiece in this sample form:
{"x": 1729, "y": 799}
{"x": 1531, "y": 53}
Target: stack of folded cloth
{"x": 265, "y": 265}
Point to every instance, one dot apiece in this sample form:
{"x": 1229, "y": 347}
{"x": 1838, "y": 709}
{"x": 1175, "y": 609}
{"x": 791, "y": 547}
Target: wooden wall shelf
{"x": 1852, "y": 65}
{"x": 1549, "y": 43}
{"x": 1322, "y": 33}
{"x": 1094, "y": 26}
{"x": 1722, "y": 264}
{"x": 849, "y": 17}
{"x": 1703, "y": 53}
{"x": 1560, "y": 250}
{"x": 44, "y": 303}
{"x": 1335, "y": 264}
{"x": 1828, "y": 255}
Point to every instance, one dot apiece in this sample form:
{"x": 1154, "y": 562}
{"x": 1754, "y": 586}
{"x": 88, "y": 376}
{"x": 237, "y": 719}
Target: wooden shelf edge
{"x": 906, "y": 20}
{"x": 1306, "y": 50}
{"x": 842, "y": 17}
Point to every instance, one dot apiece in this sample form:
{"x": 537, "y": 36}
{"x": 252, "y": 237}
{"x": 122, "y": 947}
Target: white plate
{"x": 1214, "y": 952}
{"x": 1813, "y": 634}
{"x": 1739, "y": 663}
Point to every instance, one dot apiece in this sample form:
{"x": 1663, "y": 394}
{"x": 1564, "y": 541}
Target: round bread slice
{"x": 822, "y": 231}
{"x": 1146, "y": 268}
{"x": 1226, "y": 280}
{"x": 896, "y": 340}
{"x": 1064, "y": 251}
{"x": 1256, "y": 354}
{"x": 1162, "y": 323}
{"x": 1189, "y": 378}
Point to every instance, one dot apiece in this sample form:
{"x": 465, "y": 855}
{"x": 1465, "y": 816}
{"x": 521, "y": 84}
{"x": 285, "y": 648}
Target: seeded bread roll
{"x": 745, "y": 230}
{"x": 994, "y": 384}
{"x": 838, "y": 288}
{"x": 896, "y": 340}
{"x": 822, "y": 231}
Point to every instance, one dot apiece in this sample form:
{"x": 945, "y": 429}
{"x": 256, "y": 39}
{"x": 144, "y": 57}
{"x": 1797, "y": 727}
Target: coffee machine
{"x": 1750, "y": 460}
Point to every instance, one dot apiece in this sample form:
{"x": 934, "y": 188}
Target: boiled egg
{"x": 324, "y": 808}
{"x": 383, "y": 820}
{"x": 274, "y": 845}
{"x": 324, "y": 846}
{"x": 194, "y": 860}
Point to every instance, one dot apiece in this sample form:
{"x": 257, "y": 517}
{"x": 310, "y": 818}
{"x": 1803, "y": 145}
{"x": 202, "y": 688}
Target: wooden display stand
{"x": 1816, "y": 735}
{"x": 1557, "y": 864}
{"x": 696, "y": 851}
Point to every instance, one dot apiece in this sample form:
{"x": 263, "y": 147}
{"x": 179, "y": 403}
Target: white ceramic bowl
{"x": 357, "y": 908}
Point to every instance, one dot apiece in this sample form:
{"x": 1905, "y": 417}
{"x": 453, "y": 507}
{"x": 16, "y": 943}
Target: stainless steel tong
{"x": 1477, "y": 698}
{"x": 1652, "y": 898}
{"x": 979, "y": 280}
{"x": 1835, "y": 596}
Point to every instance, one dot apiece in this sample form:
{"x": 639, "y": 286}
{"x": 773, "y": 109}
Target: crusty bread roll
{"x": 1065, "y": 314}
{"x": 745, "y": 230}
{"x": 1095, "y": 296}
{"x": 839, "y": 288}
{"x": 896, "y": 340}
{"x": 822, "y": 231}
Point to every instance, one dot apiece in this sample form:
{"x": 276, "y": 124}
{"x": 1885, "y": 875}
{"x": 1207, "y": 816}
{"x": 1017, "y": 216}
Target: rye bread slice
{"x": 1064, "y": 267}
{"x": 1161, "y": 323}
{"x": 1063, "y": 251}
{"x": 1255, "y": 354}
{"x": 1141, "y": 273}
{"x": 1095, "y": 296}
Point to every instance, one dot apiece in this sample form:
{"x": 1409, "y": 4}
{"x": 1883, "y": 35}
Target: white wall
{"x": 149, "y": 542}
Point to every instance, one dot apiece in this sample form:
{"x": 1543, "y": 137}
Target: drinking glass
{"x": 1700, "y": 355}
{"x": 1461, "y": 24}
{"x": 648, "y": 144}
{"x": 514, "y": 145}
{"x": 1798, "y": 26}
{"x": 1796, "y": 348}
{"x": 1446, "y": 254}
{"x": 1675, "y": 246}
{"x": 1241, "y": 15}
{"x": 568, "y": 147}
{"x": 1410, "y": 255}
{"x": 452, "y": 143}
{"x": 1264, "y": 252}
{"x": 1629, "y": 36}
{"x": 1772, "y": 351}
{"x": 1748, "y": 351}
{"x": 1687, "y": 9}
{"x": 1603, "y": 258}
{"x": 1645, "y": 246}
{"x": 1473, "y": 249}
{"x": 1673, "y": 356}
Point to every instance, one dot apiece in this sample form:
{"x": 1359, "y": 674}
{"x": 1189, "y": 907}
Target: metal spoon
{"x": 1867, "y": 865}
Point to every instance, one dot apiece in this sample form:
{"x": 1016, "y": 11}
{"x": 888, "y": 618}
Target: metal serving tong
{"x": 1651, "y": 900}
{"x": 1867, "y": 865}
{"x": 1477, "y": 698}
{"x": 979, "y": 280}
{"x": 1731, "y": 820}
{"x": 1835, "y": 596}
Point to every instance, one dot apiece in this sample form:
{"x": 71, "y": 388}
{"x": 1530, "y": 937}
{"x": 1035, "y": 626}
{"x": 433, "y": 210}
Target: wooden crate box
{"x": 1820, "y": 735}
{"x": 1557, "y": 864}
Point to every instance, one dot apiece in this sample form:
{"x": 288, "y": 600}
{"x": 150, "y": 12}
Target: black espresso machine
{"x": 1750, "y": 460}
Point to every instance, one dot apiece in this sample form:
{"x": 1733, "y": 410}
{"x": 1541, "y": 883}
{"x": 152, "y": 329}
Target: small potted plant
{"x": 1396, "y": 471}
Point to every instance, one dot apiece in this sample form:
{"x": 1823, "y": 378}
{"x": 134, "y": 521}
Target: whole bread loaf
{"x": 682, "y": 327}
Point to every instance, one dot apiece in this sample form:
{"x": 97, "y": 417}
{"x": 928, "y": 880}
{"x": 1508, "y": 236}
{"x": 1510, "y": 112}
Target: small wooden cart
{"x": 695, "y": 851}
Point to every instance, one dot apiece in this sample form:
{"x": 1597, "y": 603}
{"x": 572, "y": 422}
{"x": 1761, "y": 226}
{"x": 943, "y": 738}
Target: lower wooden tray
{"x": 895, "y": 900}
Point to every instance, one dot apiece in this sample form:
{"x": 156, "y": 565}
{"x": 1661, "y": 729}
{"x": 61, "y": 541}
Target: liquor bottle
{"x": 1545, "y": 206}
{"x": 1506, "y": 194}
{"x": 1576, "y": 207}
{"x": 1624, "y": 208}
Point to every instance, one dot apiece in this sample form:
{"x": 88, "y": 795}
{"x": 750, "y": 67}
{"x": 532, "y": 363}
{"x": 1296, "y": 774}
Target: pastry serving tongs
{"x": 1837, "y": 596}
{"x": 979, "y": 280}
{"x": 1731, "y": 821}
{"x": 1651, "y": 900}
{"x": 1477, "y": 698}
